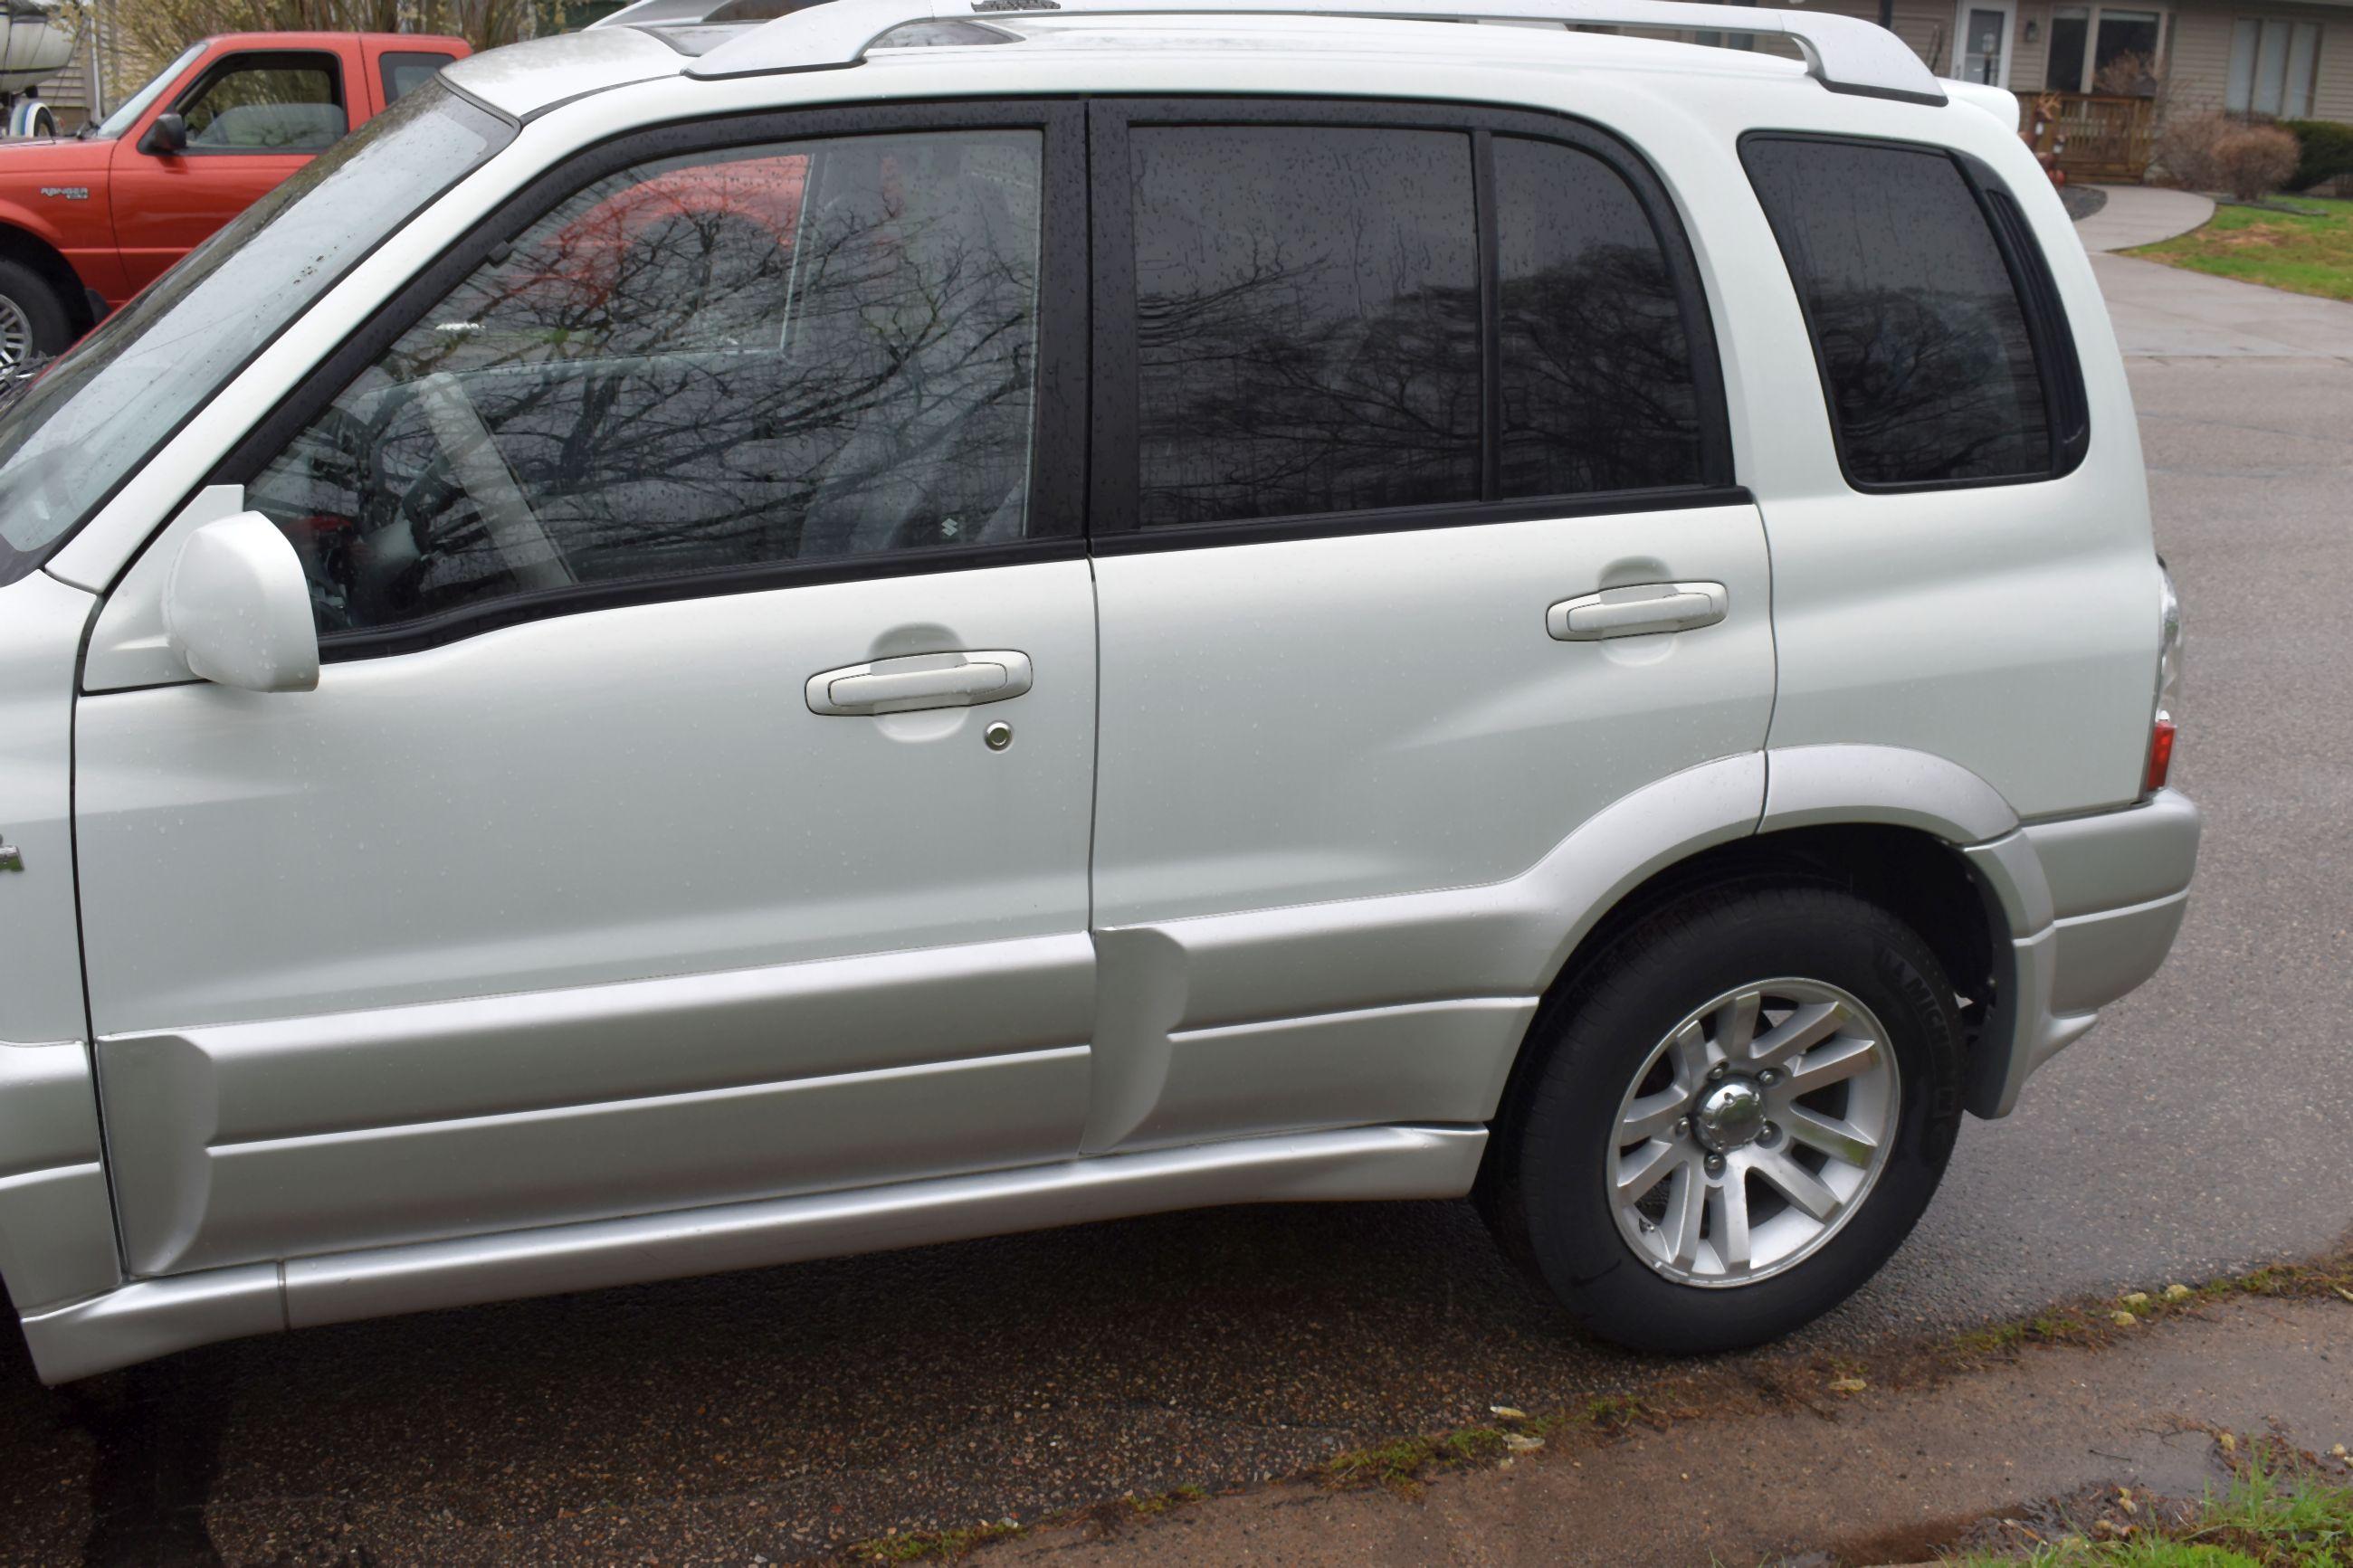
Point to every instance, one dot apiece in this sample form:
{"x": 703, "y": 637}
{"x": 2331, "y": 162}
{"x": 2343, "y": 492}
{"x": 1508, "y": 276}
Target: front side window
{"x": 268, "y": 103}
{"x": 1319, "y": 331}
{"x": 1922, "y": 340}
{"x": 781, "y": 353}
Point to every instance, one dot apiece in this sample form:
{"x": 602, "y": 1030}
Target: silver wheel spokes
{"x": 16, "y": 334}
{"x": 1753, "y": 1132}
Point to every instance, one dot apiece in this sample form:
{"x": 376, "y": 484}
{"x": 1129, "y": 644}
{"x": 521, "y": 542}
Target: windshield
{"x": 69, "y": 440}
{"x": 124, "y": 118}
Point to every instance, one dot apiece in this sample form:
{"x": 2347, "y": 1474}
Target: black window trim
{"x": 2050, "y": 336}
{"x": 1057, "y": 447}
{"x": 1114, "y": 510}
{"x": 385, "y": 61}
{"x": 266, "y": 59}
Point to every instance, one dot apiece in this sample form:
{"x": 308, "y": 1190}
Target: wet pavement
{"x": 2008, "y": 1456}
{"x": 783, "y": 1414}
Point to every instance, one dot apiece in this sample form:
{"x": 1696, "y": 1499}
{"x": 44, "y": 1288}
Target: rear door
{"x": 643, "y": 845}
{"x": 1410, "y": 457}
{"x": 254, "y": 116}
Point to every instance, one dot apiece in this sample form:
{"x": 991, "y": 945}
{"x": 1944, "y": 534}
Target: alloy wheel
{"x": 1752, "y": 1132}
{"x": 16, "y": 334}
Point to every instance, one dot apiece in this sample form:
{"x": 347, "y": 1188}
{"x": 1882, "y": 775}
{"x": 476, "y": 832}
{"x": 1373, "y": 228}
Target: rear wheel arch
{"x": 1924, "y": 881}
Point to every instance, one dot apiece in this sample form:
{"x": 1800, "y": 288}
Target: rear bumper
{"x": 2093, "y": 904}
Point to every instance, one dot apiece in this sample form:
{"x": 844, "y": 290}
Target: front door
{"x": 1421, "y": 466}
{"x": 694, "y": 806}
{"x": 253, "y": 119}
{"x": 1985, "y": 44}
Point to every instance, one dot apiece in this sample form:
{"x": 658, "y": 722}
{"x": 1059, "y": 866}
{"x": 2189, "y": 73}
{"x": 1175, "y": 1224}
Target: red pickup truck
{"x": 86, "y": 222}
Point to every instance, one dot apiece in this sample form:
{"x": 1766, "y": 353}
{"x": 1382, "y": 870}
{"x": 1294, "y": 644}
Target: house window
{"x": 2274, "y": 65}
{"x": 2099, "y": 48}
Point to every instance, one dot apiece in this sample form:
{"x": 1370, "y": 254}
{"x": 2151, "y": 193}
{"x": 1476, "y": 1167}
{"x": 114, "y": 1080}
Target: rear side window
{"x": 1307, "y": 321}
{"x": 1595, "y": 366}
{"x": 407, "y": 70}
{"x": 1936, "y": 330}
{"x": 1336, "y": 320}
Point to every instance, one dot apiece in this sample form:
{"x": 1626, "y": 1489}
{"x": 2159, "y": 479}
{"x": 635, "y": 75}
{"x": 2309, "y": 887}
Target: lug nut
{"x": 1716, "y": 1164}
{"x": 1768, "y": 1135}
{"x": 1770, "y": 1077}
{"x": 1683, "y": 1130}
{"x": 1715, "y": 1073}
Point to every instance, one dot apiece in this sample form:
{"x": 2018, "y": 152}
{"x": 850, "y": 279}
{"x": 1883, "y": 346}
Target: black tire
{"x": 44, "y": 309}
{"x": 1543, "y": 1189}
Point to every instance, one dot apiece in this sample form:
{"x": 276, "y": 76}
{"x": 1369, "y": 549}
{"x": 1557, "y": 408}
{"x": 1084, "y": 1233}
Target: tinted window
{"x": 1307, "y": 304}
{"x": 1924, "y": 347}
{"x": 1596, "y": 368}
{"x": 406, "y": 70}
{"x": 268, "y": 103}
{"x": 779, "y": 353}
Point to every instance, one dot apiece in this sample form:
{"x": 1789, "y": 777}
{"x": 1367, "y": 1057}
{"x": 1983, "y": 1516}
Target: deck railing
{"x": 2096, "y": 135}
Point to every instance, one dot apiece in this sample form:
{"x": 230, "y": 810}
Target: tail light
{"x": 2169, "y": 683}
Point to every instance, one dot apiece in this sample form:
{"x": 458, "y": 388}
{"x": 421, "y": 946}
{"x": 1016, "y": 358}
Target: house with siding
{"x": 2075, "y": 64}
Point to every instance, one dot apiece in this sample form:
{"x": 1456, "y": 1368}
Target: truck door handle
{"x": 1638, "y": 610}
{"x": 920, "y": 680}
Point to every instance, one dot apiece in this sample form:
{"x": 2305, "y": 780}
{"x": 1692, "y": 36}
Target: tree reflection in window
{"x": 776, "y": 355}
{"x": 1923, "y": 344}
{"x": 1307, "y": 305}
{"x": 1596, "y": 364}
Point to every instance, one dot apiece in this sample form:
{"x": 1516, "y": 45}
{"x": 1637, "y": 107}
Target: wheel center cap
{"x": 1729, "y": 1115}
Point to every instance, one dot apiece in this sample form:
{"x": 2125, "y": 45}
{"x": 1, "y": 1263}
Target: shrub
{"x": 2256, "y": 159}
{"x": 2326, "y": 149}
{"x": 2186, "y": 147}
{"x": 2213, "y": 152}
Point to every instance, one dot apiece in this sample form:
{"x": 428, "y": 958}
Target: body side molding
{"x": 152, "y": 1318}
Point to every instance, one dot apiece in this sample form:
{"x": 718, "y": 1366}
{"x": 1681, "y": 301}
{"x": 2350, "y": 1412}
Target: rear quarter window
{"x": 1936, "y": 329}
{"x": 404, "y": 70}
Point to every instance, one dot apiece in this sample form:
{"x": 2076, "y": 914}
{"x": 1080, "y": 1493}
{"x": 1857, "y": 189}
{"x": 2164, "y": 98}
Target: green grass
{"x": 2270, "y": 1518}
{"x": 1401, "y": 1465}
{"x": 2279, "y": 250}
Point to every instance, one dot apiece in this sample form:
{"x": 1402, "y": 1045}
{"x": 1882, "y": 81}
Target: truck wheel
{"x": 1737, "y": 1118}
{"x": 34, "y": 323}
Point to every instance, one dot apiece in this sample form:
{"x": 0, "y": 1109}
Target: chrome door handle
{"x": 920, "y": 680}
{"x": 1638, "y": 610}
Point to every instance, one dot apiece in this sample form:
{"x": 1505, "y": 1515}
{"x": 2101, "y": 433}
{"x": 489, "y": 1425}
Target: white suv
{"x": 717, "y": 644}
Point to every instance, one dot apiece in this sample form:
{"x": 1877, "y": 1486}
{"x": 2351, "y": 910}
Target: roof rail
{"x": 1846, "y": 54}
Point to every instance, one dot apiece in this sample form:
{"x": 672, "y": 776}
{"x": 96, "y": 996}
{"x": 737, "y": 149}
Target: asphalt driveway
{"x": 779, "y": 1416}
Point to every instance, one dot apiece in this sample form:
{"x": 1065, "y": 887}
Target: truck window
{"x": 404, "y": 69}
{"x": 268, "y": 103}
{"x": 69, "y": 440}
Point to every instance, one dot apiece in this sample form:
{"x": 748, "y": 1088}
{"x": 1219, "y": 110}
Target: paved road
{"x": 2202, "y": 1126}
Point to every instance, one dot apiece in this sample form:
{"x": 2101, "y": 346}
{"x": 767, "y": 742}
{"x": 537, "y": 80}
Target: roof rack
{"x": 1846, "y": 54}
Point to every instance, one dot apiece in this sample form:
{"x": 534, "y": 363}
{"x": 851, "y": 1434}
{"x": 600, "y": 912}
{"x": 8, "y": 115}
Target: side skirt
{"x": 150, "y": 1317}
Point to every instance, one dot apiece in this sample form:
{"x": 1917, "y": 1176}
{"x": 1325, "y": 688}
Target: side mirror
{"x": 169, "y": 134}
{"x": 237, "y": 608}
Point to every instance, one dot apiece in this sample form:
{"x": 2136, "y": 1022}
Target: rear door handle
{"x": 920, "y": 680}
{"x": 1638, "y": 610}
